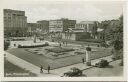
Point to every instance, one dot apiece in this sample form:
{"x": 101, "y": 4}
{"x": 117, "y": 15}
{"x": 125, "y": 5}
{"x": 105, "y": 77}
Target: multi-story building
{"x": 61, "y": 25}
{"x": 76, "y": 35}
{"x": 55, "y": 25}
{"x": 87, "y": 26}
{"x": 31, "y": 28}
{"x": 81, "y": 26}
{"x": 15, "y": 22}
{"x": 43, "y": 25}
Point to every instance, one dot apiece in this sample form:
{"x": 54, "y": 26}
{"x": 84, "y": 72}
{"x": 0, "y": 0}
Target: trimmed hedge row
{"x": 91, "y": 40}
{"x": 33, "y": 46}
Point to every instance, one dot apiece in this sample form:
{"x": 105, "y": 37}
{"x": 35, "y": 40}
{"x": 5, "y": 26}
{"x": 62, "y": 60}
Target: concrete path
{"x": 81, "y": 66}
{"x": 26, "y": 65}
{"x": 53, "y": 73}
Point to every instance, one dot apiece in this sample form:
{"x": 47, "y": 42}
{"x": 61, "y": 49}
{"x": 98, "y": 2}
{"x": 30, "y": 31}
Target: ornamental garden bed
{"x": 59, "y": 49}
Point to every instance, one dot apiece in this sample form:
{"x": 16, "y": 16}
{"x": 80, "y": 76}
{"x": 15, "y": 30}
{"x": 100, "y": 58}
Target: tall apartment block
{"x": 61, "y": 25}
{"x": 15, "y": 23}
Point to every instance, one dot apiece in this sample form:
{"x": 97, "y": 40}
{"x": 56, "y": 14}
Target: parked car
{"x": 75, "y": 72}
{"x": 102, "y": 63}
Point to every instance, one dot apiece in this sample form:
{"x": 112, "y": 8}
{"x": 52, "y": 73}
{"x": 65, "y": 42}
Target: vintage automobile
{"x": 102, "y": 63}
{"x": 75, "y": 72}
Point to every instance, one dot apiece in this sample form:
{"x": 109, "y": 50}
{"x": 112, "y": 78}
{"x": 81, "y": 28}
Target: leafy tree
{"x": 6, "y": 45}
{"x": 95, "y": 27}
{"x": 118, "y": 43}
{"x": 119, "y": 34}
{"x": 105, "y": 26}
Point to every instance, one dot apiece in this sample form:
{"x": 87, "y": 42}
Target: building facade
{"x": 61, "y": 25}
{"x": 55, "y": 26}
{"x": 77, "y": 36}
{"x": 15, "y": 22}
{"x": 31, "y": 28}
{"x": 43, "y": 25}
{"x": 87, "y": 26}
{"x": 81, "y": 26}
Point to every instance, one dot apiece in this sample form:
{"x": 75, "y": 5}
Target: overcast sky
{"x": 78, "y": 10}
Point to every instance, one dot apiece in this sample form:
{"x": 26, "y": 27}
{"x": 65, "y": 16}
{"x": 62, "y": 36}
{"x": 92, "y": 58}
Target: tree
{"x": 118, "y": 43}
{"x": 119, "y": 33}
{"x": 105, "y": 26}
{"x": 94, "y": 31}
{"x": 6, "y": 45}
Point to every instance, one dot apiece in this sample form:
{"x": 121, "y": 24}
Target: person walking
{"x": 60, "y": 44}
{"x": 48, "y": 69}
{"x": 83, "y": 60}
{"x": 41, "y": 69}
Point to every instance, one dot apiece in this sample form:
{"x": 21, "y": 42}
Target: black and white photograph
{"x": 64, "y": 81}
{"x": 64, "y": 39}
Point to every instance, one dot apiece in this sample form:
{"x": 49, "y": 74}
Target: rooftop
{"x": 87, "y": 22}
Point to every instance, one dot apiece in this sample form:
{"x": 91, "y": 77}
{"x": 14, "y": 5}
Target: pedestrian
{"x": 60, "y": 44}
{"x": 41, "y": 69}
{"x": 48, "y": 68}
{"x": 98, "y": 45}
{"x": 83, "y": 60}
{"x": 63, "y": 42}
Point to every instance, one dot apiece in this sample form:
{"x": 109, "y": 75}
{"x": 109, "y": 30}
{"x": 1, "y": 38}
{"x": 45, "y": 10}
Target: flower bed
{"x": 59, "y": 49}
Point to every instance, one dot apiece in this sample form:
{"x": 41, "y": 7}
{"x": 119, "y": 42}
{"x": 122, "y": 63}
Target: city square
{"x": 40, "y": 56}
{"x": 62, "y": 46}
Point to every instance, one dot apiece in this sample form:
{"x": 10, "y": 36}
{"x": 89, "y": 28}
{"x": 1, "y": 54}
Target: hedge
{"x": 33, "y": 46}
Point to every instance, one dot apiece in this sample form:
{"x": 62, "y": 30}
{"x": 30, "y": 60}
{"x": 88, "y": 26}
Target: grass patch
{"x": 56, "y": 62}
{"x": 11, "y": 70}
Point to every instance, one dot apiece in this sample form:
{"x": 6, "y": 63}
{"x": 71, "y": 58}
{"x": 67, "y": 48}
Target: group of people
{"x": 63, "y": 42}
{"x": 41, "y": 69}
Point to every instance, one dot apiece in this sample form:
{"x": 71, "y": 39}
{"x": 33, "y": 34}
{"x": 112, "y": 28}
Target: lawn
{"x": 56, "y": 63}
{"x": 12, "y": 70}
{"x": 52, "y": 52}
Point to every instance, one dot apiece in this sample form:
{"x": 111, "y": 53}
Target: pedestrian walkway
{"x": 81, "y": 66}
{"x": 27, "y": 66}
{"x": 53, "y": 73}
